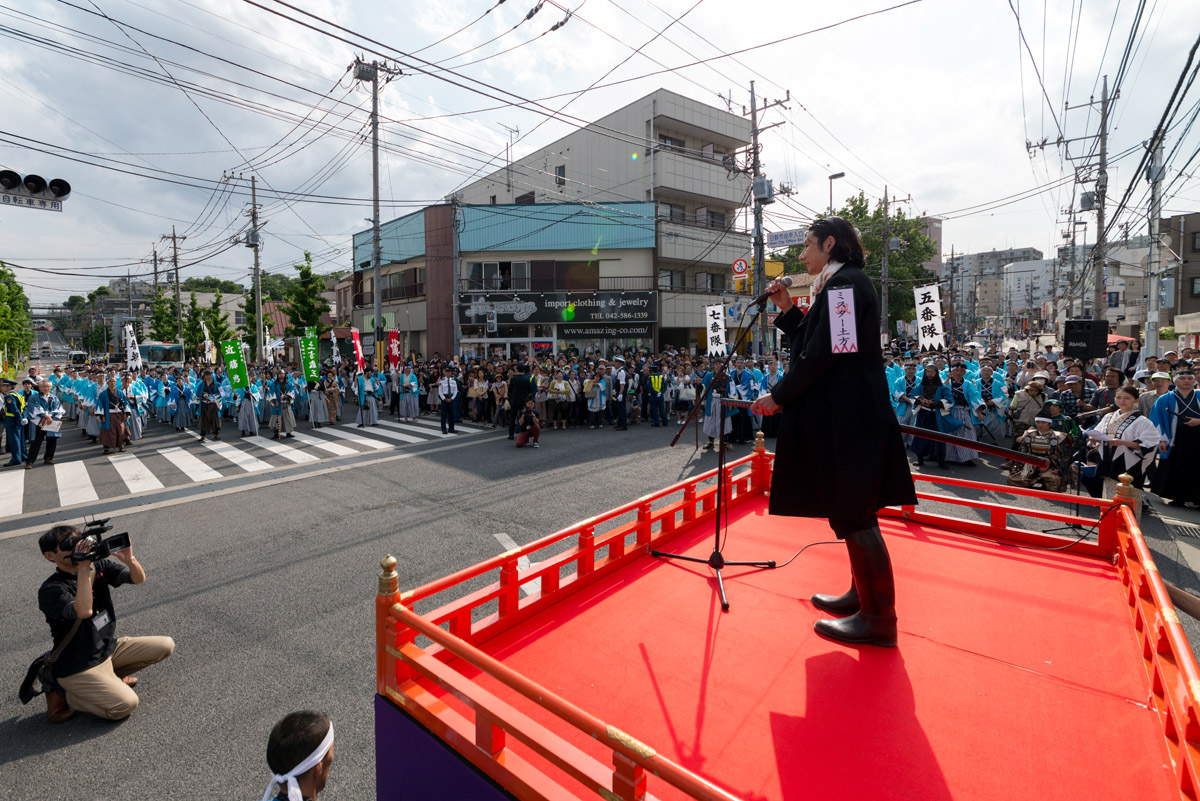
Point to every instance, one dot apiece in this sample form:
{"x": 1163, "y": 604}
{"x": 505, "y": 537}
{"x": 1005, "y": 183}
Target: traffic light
{"x": 32, "y": 191}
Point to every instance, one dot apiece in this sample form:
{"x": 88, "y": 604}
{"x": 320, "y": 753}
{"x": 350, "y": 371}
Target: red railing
{"x": 484, "y": 728}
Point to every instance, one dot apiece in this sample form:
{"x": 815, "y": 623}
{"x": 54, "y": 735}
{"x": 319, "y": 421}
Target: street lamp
{"x": 833, "y": 178}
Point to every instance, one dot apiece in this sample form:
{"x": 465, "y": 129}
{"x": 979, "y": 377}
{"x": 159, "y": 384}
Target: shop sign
{"x": 559, "y": 307}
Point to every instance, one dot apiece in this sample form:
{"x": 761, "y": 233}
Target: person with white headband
{"x": 300, "y": 755}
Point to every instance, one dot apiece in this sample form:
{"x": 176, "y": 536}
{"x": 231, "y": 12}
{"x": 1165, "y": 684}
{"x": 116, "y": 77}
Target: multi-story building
{"x": 1181, "y": 234}
{"x": 933, "y": 230}
{"x": 1028, "y": 286}
{"x": 645, "y": 201}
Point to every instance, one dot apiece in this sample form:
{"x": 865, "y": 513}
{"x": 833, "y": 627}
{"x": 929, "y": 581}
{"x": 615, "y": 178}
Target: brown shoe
{"x": 56, "y": 707}
{"x": 47, "y": 460}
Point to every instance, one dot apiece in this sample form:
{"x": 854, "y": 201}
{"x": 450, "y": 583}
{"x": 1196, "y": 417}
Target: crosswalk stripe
{"x": 12, "y": 491}
{"x": 195, "y": 469}
{"x": 462, "y": 426}
{"x": 386, "y": 432}
{"x": 239, "y": 457}
{"x": 329, "y": 447}
{"x": 409, "y": 427}
{"x": 134, "y": 473}
{"x": 74, "y": 483}
{"x": 361, "y": 440}
{"x": 279, "y": 449}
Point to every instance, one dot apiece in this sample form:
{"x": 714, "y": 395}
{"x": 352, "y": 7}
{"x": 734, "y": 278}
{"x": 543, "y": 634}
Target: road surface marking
{"x": 195, "y": 469}
{"x": 331, "y": 447}
{"x": 415, "y": 429}
{"x": 279, "y": 449}
{"x": 74, "y": 484}
{"x": 377, "y": 444}
{"x": 242, "y": 459}
{"x": 12, "y": 491}
{"x": 137, "y": 476}
{"x": 387, "y": 432}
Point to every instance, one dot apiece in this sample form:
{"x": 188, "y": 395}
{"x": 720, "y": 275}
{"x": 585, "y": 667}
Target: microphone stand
{"x": 716, "y": 560}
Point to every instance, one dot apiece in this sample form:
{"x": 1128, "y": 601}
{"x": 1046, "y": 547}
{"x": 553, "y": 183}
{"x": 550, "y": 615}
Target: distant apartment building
{"x": 1181, "y": 234}
{"x": 933, "y": 230}
{"x": 637, "y": 209}
{"x": 970, "y": 298}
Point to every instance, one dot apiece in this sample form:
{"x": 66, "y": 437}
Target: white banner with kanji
{"x": 714, "y": 325}
{"x": 930, "y": 333}
{"x": 843, "y": 325}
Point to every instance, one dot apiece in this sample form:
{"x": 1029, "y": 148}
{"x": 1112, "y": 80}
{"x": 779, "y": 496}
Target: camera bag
{"x": 40, "y": 676}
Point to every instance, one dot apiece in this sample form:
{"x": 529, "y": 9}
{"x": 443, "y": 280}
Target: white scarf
{"x": 826, "y": 273}
{"x": 289, "y": 779}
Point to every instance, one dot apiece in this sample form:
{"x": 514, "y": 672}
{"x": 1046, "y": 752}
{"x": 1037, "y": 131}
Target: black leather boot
{"x": 838, "y": 604}
{"x": 875, "y": 622}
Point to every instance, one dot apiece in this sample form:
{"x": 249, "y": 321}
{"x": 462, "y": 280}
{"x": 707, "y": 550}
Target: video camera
{"x": 89, "y": 547}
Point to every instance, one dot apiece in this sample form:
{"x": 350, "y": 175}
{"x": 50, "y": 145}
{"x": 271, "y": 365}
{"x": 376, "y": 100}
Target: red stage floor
{"x": 1017, "y": 675}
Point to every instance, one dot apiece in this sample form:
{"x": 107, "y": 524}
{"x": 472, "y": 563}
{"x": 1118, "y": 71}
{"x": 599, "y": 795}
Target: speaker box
{"x": 1085, "y": 339}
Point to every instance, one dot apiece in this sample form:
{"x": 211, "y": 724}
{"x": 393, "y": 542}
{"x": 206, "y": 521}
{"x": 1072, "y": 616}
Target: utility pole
{"x": 883, "y": 270}
{"x": 370, "y": 73}
{"x": 953, "y": 305}
{"x": 154, "y": 250}
{"x": 763, "y": 194}
{"x": 457, "y": 275}
{"x": 178, "y": 302}
{"x": 254, "y": 244}
{"x": 1101, "y": 188}
{"x": 1154, "y": 173}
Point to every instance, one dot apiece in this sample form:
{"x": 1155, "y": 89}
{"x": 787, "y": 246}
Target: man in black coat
{"x": 838, "y": 436}
{"x": 520, "y": 389}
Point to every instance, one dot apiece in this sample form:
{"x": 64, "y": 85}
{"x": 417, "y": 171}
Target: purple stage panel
{"x": 412, "y": 763}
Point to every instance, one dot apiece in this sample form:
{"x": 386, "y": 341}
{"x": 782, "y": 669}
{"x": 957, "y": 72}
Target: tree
{"x": 16, "y": 325}
{"x": 193, "y": 334}
{"x": 209, "y": 284}
{"x": 304, "y": 302}
{"x": 904, "y": 265}
{"x": 75, "y": 303}
{"x": 95, "y": 339}
{"x": 275, "y": 286}
{"x": 251, "y": 328}
{"x": 164, "y": 317}
{"x": 217, "y": 321}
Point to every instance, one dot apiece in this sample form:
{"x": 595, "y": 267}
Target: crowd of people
{"x": 1094, "y": 419}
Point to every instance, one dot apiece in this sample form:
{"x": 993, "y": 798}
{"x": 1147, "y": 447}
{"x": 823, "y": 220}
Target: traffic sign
{"x": 783, "y": 239}
{"x": 741, "y": 267}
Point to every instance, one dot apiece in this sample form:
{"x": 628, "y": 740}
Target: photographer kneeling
{"x": 94, "y": 668}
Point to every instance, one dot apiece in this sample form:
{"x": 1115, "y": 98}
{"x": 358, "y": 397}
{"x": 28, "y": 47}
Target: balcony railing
{"x": 391, "y": 294}
{"x": 615, "y": 283}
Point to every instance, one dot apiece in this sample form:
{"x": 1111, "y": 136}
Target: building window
{"x": 560, "y": 175}
{"x": 510, "y": 276}
{"x": 716, "y": 219}
{"x": 1196, "y": 240}
{"x": 493, "y": 200}
{"x": 675, "y": 212}
{"x": 710, "y": 282}
{"x": 525, "y": 199}
{"x": 671, "y": 143}
{"x": 1195, "y": 287}
{"x": 670, "y": 279}
{"x": 239, "y": 319}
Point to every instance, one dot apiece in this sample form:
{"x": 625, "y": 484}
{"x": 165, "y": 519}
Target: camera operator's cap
{"x": 1160, "y": 374}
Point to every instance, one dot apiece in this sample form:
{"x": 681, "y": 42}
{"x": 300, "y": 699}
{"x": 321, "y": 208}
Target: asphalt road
{"x": 269, "y": 591}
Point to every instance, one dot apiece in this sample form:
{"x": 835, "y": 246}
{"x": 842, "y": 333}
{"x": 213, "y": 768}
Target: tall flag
{"x": 358, "y": 354}
{"x": 337, "y": 354}
{"x": 930, "y": 333}
{"x": 210, "y": 354}
{"x": 309, "y": 359}
{"x": 235, "y": 364}
{"x": 133, "y": 356}
{"x": 714, "y": 320}
{"x": 393, "y": 349}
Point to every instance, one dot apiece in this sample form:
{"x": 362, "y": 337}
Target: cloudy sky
{"x": 935, "y": 99}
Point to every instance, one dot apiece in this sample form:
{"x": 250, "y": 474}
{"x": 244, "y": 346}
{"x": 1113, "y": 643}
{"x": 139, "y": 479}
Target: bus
{"x": 161, "y": 354}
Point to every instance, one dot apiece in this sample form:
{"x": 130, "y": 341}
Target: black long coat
{"x": 839, "y": 453}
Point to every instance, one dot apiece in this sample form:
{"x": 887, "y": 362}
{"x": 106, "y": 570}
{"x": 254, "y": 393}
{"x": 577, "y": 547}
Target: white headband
{"x": 289, "y": 778}
{"x": 1043, "y": 420}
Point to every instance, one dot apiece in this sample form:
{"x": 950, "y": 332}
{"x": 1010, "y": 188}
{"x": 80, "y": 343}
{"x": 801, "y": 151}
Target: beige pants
{"x": 101, "y": 691}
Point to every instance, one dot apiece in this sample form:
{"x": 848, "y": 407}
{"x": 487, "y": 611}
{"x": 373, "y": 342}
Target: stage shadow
{"x": 859, "y": 736}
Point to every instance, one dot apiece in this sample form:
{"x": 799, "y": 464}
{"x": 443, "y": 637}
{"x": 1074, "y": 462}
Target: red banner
{"x": 358, "y": 355}
{"x": 393, "y": 351}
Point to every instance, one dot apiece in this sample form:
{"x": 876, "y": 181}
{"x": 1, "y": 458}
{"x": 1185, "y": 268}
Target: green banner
{"x": 235, "y": 365}
{"x": 309, "y": 359}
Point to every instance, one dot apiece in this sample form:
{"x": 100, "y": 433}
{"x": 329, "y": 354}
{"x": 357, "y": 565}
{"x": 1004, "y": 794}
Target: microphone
{"x": 784, "y": 282}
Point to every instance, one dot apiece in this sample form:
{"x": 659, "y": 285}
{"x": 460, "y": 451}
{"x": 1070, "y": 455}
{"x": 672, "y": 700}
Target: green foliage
{"x": 304, "y": 302}
{"x": 95, "y": 339}
{"x": 1167, "y": 334}
{"x": 16, "y": 325}
{"x": 275, "y": 286}
{"x": 250, "y": 329}
{"x": 209, "y": 284}
{"x": 193, "y": 334}
{"x": 217, "y": 321}
{"x": 75, "y": 303}
{"x": 163, "y": 317}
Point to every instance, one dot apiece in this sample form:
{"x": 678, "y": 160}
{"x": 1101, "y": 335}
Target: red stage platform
{"x": 1019, "y": 673}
